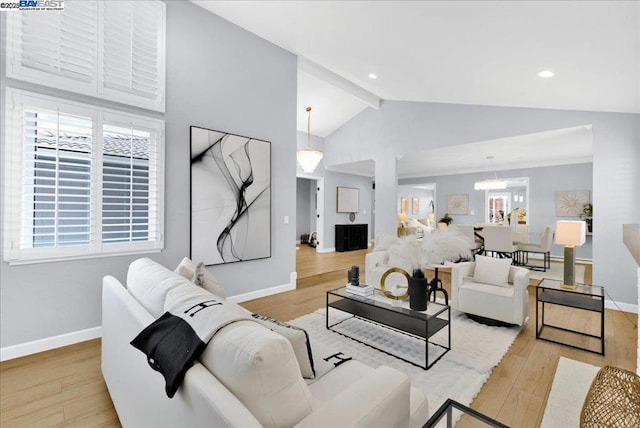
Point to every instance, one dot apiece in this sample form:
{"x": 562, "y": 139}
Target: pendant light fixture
{"x": 309, "y": 158}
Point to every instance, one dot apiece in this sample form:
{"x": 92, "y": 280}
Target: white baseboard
{"x": 238, "y": 298}
{"x": 326, "y": 250}
{"x": 624, "y": 307}
{"x": 41, "y": 345}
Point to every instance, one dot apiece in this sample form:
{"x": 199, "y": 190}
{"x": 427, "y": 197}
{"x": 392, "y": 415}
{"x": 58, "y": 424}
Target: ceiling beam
{"x": 340, "y": 82}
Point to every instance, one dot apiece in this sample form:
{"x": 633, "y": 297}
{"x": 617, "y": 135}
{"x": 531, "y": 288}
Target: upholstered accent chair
{"x": 543, "y": 247}
{"x": 491, "y": 288}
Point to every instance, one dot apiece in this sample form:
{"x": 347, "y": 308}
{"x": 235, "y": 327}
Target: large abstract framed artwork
{"x": 230, "y": 197}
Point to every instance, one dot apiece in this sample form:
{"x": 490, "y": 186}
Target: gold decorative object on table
{"x": 613, "y": 399}
{"x": 384, "y": 288}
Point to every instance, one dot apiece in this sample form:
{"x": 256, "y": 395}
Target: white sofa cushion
{"x": 468, "y": 284}
{"x": 298, "y": 338}
{"x": 149, "y": 282}
{"x": 200, "y": 275}
{"x": 491, "y": 270}
{"x": 260, "y": 368}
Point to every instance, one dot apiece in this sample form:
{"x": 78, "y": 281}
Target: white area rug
{"x": 475, "y": 350}
{"x": 570, "y": 386}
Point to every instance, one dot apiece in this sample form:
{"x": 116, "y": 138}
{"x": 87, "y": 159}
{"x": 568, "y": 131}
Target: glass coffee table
{"x": 425, "y": 336}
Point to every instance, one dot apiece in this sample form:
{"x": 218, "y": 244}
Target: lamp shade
{"x": 571, "y": 233}
{"x": 402, "y": 216}
{"x": 309, "y": 159}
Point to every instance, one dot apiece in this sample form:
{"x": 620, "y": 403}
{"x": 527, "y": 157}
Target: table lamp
{"x": 401, "y": 218}
{"x": 571, "y": 234}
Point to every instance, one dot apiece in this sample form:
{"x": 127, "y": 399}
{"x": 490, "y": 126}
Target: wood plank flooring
{"x": 64, "y": 387}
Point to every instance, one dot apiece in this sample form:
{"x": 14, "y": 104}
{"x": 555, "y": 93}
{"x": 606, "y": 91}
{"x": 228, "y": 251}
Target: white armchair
{"x": 491, "y": 288}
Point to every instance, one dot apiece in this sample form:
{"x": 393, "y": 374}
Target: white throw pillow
{"x": 412, "y": 222}
{"x": 209, "y": 282}
{"x": 187, "y": 269}
{"x": 199, "y": 275}
{"x": 299, "y": 340}
{"x": 260, "y": 368}
{"x": 492, "y": 270}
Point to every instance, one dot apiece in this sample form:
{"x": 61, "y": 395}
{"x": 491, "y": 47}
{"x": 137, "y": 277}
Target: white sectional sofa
{"x": 247, "y": 376}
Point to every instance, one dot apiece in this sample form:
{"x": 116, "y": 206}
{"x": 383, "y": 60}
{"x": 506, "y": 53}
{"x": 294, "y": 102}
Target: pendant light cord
{"x": 309, "y": 127}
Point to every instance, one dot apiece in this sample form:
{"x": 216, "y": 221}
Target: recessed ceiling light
{"x": 546, "y": 73}
{"x": 372, "y": 76}
{"x": 490, "y": 157}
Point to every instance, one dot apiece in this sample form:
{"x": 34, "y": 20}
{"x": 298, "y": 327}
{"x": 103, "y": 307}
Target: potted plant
{"x": 446, "y": 219}
{"x": 522, "y": 214}
{"x": 587, "y": 215}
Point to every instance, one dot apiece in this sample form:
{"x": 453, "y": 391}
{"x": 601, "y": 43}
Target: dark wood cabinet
{"x": 352, "y": 237}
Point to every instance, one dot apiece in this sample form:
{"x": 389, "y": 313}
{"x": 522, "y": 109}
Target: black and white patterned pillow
{"x": 299, "y": 341}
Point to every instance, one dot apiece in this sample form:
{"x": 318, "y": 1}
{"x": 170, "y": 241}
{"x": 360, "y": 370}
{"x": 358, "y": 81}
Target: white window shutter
{"x": 133, "y": 52}
{"x": 113, "y": 50}
{"x": 56, "y": 48}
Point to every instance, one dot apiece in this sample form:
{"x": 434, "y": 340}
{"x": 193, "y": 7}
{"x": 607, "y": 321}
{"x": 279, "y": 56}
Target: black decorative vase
{"x": 418, "y": 287}
{"x": 353, "y": 275}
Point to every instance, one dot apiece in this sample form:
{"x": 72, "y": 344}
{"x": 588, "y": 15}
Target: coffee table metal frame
{"x": 380, "y": 310}
{"x": 584, "y": 296}
{"x": 447, "y": 410}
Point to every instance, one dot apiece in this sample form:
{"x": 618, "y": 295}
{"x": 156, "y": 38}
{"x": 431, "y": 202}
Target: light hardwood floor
{"x": 64, "y": 387}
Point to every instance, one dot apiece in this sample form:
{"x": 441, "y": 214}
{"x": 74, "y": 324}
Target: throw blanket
{"x": 175, "y": 340}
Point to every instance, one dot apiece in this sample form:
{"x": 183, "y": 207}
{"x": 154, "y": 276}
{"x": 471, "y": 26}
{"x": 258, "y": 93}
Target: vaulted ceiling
{"x": 468, "y": 52}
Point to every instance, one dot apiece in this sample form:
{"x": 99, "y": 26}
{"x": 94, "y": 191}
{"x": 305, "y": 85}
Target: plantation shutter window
{"x": 57, "y": 48}
{"x": 81, "y": 181}
{"x": 129, "y": 184}
{"x": 133, "y": 49}
{"x": 57, "y": 179}
{"x": 109, "y": 49}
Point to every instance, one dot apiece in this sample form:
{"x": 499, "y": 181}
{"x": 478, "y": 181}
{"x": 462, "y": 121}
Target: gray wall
{"x": 399, "y": 128}
{"x": 330, "y": 180}
{"x": 424, "y": 196}
{"x": 303, "y": 206}
{"x": 544, "y": 182}
{"x": 218, "y": 76}
{"x": 331, "y": 217}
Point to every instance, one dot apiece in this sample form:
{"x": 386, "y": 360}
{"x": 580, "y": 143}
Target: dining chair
{"x": 498, "y": 242}
{"x": 543, "y": 247}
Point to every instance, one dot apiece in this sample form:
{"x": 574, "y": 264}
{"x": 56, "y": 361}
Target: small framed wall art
{"x": 404, "y": 205}
{"x": 458, "y": 204}
{"x": 415, "y": 205}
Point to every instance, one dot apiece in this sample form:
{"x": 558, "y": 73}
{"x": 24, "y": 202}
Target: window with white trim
{"x": 113, "y": 50}
{"x": 81, "y": 181}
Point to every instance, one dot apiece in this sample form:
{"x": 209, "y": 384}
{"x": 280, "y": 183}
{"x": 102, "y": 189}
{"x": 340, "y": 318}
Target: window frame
{"x": 13, "y": 165}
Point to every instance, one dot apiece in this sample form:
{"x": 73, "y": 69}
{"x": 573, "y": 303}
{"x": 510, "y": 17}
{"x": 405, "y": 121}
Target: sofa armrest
{"x": 521, "y": 289}
{"x": 520, "y": 278}
{"x": 458, "y": 272}
{"x": 380, "y": 399}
